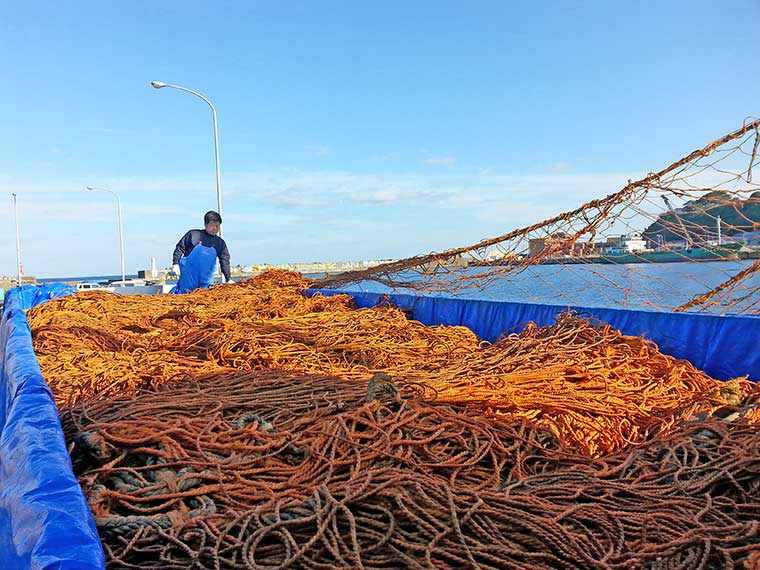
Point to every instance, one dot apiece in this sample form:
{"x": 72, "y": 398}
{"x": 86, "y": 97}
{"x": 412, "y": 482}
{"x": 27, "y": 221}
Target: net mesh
{"x": 620, "y": 250}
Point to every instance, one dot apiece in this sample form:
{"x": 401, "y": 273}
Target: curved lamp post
{"x": 121, "y": 230}
{"x": 160, "y": 85}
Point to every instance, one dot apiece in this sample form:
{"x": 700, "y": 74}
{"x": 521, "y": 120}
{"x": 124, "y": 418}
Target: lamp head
{"x": 157, "y": 84}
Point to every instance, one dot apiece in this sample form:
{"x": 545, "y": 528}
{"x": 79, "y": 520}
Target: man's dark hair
{"x": 212, "y": 216}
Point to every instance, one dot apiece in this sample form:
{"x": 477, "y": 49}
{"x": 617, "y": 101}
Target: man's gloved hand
{"x": 175, "y": 269}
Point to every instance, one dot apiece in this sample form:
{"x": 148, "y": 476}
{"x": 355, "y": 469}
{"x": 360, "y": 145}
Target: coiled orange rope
{"x": 592, "y": 386}
{"x": 251, "y": 427}
{"x": 269, "y": 470}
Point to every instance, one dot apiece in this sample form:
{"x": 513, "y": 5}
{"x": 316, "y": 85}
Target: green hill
{"x": 699, "y": 218}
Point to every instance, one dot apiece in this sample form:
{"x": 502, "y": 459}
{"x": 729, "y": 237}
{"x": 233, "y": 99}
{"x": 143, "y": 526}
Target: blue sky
{"x": 348, "y": 130}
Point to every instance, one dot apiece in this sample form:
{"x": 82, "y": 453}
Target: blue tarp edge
{"x": 45, "y": 522}
{"x": 723, "y": 346}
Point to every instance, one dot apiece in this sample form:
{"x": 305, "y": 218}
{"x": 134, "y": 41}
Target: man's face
{"x": 212, "y": 228}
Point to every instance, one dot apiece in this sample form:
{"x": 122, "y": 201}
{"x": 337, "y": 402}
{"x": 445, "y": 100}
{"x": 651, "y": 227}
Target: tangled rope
{"x": 595, "y": 388}
{"x": 592, "y": 386}
{"x": 250, "y": 427}
{"x": 267, "y": 470}
{"x": 96, "y": 344}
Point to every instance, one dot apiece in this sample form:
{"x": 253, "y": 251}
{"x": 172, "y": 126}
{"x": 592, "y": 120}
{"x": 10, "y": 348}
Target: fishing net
{"x": 595, "y": 388}
{"x": 251, "y": 427}
{"x": 637, "y": 247}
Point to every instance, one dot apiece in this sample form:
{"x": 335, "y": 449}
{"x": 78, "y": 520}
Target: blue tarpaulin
{"x": 723, "y": 346}
{"x": 45, "y": 523}
{"x": 28, "y": 296}
{"x": 196, "y": 270}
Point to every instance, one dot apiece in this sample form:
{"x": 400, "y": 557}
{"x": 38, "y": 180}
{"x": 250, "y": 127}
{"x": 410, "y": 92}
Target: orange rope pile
{"x": 595, "y": 388}
{"x": 267, "y": 470}
{"x": 98, "y": 344}
{"x": 236, "y": 428}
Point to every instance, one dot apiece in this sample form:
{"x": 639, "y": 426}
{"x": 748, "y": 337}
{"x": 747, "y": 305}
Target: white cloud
{"x": 319, "y": 150}
{"x": 124, "y": 186}
{"x": 559, "y": 166}
{"x": 297, "y": 202}
{"x": 268, "y": 219}
{"x": 443, "y": 160}
{"x": 380, "y": 197}
{"x": 288, "y": 215}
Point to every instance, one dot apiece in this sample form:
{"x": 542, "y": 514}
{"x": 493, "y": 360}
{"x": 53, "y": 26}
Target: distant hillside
{"x": 699, "y": 217}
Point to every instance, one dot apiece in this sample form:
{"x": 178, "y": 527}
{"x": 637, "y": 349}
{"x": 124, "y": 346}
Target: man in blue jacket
{"x": 196, "y": 253}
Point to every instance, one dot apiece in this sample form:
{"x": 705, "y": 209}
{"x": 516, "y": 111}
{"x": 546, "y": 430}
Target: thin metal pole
{"x": 218, "y": 175}
{"x": 121, "y": 228}
{"x": 18, "y": 241}
{"x": 159, "y": 85}
{"x": 121, "y": 240}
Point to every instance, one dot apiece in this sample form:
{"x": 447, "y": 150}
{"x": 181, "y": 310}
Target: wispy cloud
{"x": 319, "y": 150}
{"x": 264, "y": 219}
{"x": 380, "y": 197}
{"x": 442, "y": 160}
{"x": 295, "y": 202}
{"x": 560, "y": 166}
{"x": 291, "y": 214}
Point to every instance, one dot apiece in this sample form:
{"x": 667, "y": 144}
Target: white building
{"x": 633, "y": 242}
{"x": 629, "y": 243}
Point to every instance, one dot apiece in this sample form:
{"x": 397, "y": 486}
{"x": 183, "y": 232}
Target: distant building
{"x": 559, "y": 244}
{"x": 12, "y": 281}
{"x": 628, "y": 243}
{"x": 536, "y": 247}
{"x": 614, "y": 241}
{"x": 564, "y": 245}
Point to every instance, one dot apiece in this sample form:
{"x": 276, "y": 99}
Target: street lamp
{"x": 160, "y": 85}
{"x": 121, "y": 230}
{"x": 18, "y": 241}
